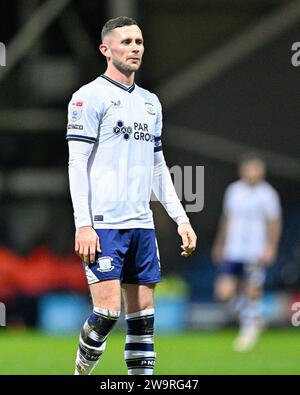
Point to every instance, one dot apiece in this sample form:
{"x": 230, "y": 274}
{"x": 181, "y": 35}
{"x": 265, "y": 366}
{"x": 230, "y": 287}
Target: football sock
{"x": 251, "y": 313}
{"x": 139, "y": 348}
{"x": 92, "y": 339}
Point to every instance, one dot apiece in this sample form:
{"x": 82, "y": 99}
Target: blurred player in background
{"x": 115, "y": 161}
{"x": 246, "y": 243}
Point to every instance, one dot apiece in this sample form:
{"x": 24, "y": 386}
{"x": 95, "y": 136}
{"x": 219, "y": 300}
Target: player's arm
{"x": 86, "y": 239}
{"x": 274, "y": 228}
{"x": 164, "y": 190}
{"x": 222, "y": 229}
{"x": 219, "y": 242}
{"x": 82, "y": 133}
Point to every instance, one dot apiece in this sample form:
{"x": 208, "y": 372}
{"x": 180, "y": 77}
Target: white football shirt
{"x": 123, "y": 125}
{"x": 248, "y": 210}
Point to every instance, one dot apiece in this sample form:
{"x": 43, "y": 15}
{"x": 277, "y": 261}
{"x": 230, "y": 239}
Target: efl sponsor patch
{"x": 76, "y": 110}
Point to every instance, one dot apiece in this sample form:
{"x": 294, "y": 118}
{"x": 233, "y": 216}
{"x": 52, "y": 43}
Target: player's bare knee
{"x": 145, "y": 303}
{"x": 138, "y": 297}
{"x": 223, "y": 295}
{"x": 106, "y": 295}
{"x": 253, "y": 293}
{"x": 136, "y": 306}
{"x": 224, "y": 291}
{"x": 107, "y": 304}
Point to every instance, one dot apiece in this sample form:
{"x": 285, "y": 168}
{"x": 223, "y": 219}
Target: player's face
{"x": 126, "y": 48}
{"x": 252, "y": 172}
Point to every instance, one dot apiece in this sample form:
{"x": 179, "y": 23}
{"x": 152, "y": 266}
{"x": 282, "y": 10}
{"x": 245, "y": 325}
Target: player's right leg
{"x": 106, "y": 296}
{"x": 103, "y": 278}
{"x": 229, "y": 288}
{"x": 225, "y": 287}
{"x": 228, "y": 282}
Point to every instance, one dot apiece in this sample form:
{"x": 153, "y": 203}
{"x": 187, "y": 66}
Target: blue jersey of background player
{"x": 115, "y": 161}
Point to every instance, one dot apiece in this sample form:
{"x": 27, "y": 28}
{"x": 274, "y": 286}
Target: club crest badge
{"x": 105, "y": 264}
{"x": 150, "y": 108}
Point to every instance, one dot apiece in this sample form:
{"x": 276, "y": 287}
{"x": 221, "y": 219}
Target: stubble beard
{"x": 125, "y": 68}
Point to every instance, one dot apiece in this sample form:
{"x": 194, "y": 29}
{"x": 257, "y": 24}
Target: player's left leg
{"x": 141, "y": 271}
{"x": 251, "y": 320}
{"x": 139, "y": 348}
{"x": 252, "y": 312}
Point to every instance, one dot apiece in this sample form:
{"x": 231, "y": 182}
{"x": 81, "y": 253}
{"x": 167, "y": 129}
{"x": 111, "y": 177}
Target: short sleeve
{"x": 158, "y": 127}
{"x": 272, "y": 205}
{"x": 83, "y": 119}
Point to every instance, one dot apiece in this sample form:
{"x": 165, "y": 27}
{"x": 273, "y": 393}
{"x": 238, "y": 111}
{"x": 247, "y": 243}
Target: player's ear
{"x": 104, "y": 49}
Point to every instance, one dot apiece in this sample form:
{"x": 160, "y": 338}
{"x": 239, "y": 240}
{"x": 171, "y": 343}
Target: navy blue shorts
{"x": 253, "y": 272}
{"x": 129, "y": 255}
{"x": 232, "y": 268}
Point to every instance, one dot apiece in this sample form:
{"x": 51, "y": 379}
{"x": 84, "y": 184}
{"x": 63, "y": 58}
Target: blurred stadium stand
{"x": 223, "y": 72}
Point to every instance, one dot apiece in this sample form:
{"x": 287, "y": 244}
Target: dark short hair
{"x": 116, "y": 22}
{"x": 250, "y": 157}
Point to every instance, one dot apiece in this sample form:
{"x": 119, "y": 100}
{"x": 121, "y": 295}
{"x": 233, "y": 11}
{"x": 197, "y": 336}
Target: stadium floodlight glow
{"x": 2, "y": 54}
{"x": 2, "y": 314}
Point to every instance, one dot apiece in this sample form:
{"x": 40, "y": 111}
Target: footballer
{"x": 115, "y": 162}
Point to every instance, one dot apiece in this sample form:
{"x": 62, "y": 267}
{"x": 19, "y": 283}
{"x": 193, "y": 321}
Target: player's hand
{"x": 268, "y": 256}
{"x": 189, "y": 239}
{"x": 87, "y": 244}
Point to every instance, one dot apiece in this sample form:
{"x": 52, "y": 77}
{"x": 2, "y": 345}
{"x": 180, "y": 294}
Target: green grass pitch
{"x": 277, "y": 352}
